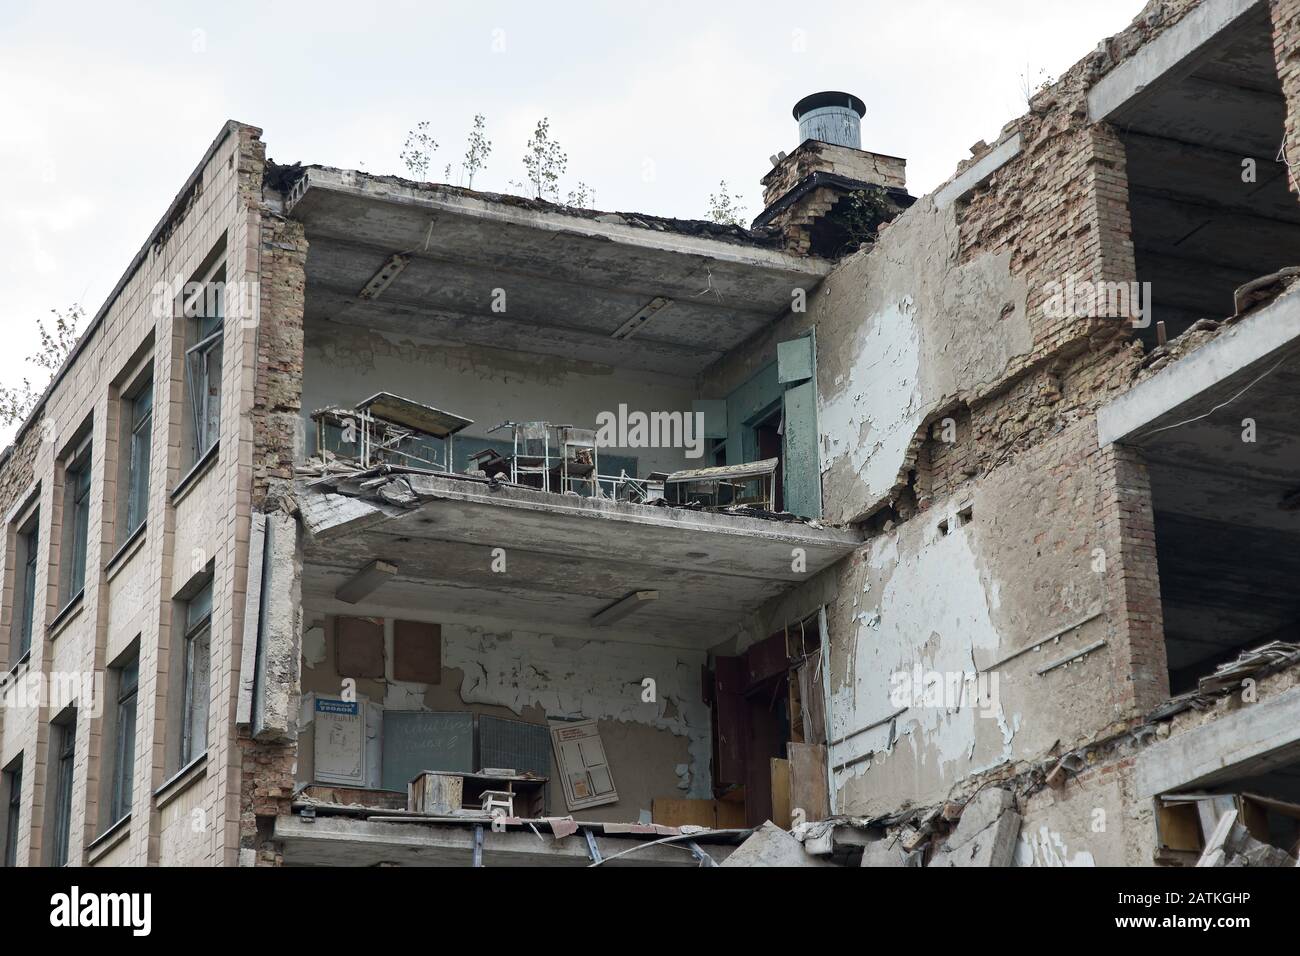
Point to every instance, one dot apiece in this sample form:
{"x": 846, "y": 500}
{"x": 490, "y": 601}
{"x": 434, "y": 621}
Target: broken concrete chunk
{"x": 769, "y": 845}
{"x": 887, "y": 853}
{"x": 986, "y": 834}
{"x": 982, "y": 811}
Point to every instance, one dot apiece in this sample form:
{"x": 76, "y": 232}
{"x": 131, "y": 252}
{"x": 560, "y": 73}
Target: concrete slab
{"x": 1247, "y": 742}
{"x": 1216, "y": 371}
{"x": 566, "y": 559}
{"x": 1173, "y": 53}
{"x": 345, "y": 841}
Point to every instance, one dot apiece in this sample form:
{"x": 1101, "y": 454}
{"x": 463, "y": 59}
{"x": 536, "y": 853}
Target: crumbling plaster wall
{"x": 658, "y": 748}
{"x": 490, "y": 386}
{"x": 906, "y": 314}
{"x": 977, "y": 600}
{"x": 945, "y": 316}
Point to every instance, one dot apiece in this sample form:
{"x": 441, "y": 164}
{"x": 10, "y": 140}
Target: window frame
{"x": 203, "y": 360}
{"x": 77, "y": 483}
{"x": 64, "y": 760}
{"x": 196, "y": 683}
{"x": 13, "y": 781}
{"x": 27, "y": 547}
{"x": 137, "y": 453}
{"x": 122, "y": 772}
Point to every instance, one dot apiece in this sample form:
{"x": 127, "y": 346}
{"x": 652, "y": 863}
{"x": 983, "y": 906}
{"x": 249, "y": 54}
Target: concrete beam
{"x": 1173, "y": 53}
{"x": 366, "y": 581}
{"x": 275, "y": 704}
{"x": 1181, "y": 389}
{"x": 252, "y": 621}
{"x": 1245, "y": 743}
{"x": 979, "y": 173}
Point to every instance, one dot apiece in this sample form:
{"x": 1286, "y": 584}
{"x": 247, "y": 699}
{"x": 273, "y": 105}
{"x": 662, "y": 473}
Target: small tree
{"x": 418, "y": 152}
{"x": 545, "y": 161}
{"x": 480, "y": 148}
{"x": 581, "y": 198}
{"x": 726, "y": 208}
{"x": 16, "y": 403}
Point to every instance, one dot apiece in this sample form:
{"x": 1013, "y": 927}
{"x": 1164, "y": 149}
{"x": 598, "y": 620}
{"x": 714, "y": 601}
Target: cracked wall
{"x": 909, "y": 310}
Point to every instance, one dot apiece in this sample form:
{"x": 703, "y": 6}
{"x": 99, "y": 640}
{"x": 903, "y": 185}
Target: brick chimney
{"x": 830, "y": 195}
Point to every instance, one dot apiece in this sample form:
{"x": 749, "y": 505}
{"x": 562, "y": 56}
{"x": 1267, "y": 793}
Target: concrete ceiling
{"x": 567, "y": 559}
{"x": 570, "y": 280}
{"x": 1228, "y": 553}
{"x": 1199, "y": 231}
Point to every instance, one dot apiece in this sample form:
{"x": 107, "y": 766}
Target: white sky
{"x": 106, "y": 108}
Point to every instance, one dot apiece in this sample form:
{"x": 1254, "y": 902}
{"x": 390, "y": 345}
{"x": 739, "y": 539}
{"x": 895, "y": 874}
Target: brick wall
{"x": 277, "y": 405}
{"x": 1286, "y": 49}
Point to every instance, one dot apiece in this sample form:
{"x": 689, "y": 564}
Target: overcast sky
{"x": 105, "y": 108}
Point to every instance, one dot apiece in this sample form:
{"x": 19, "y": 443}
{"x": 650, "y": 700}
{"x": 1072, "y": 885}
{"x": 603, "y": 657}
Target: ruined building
{"x": 382, "y": 523}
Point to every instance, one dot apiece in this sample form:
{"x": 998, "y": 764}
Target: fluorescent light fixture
{"x": 632, "y": 325}
{"x": 621, "y": 609}
{"x": 382, "y": 279}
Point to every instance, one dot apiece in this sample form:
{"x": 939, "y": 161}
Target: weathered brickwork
{"x": 1286, "y": 49}
{"x": 278, "y": 404}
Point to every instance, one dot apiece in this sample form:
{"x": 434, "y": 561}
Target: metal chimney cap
{"x": 816, "y": 101}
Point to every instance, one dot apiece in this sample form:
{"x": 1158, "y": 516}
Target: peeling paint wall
{"x": 656, "y": 749}
{"x": 986, "y": 599}
{"x": 902, "y": 320}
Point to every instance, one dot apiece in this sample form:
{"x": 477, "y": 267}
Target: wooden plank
{"x": 780, "y": 792}
{"x": 810, "y": 699}
{"x": 1178, "y": 826}
{"x": 808, "y": 782}
{"x": 417, "y": 652}
{"x": 672, "y": 812}
{"x": 730, "y": 723}
{"x": 730, "y": 814}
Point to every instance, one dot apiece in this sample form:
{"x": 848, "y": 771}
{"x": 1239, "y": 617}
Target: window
{"x": 64, "y": 754}
{"x": 137, "y": 426}
{"x": 24, "y": 610}
{"x": 196, "y": 694}
{"x": 13, "y": 781}
{"x": 126, "y": 679}
{"x": 205, "y": 318}
{"x": 76, "y": 523}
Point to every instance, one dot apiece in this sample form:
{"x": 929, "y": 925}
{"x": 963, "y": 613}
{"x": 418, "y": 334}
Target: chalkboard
{"x": 417, "y": 740}
{"x": 514, "y": 745}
